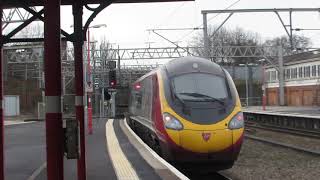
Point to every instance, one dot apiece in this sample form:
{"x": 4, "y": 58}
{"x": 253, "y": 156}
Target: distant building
{"x": 302, "y": 80}
{"x": 23, "y": 73}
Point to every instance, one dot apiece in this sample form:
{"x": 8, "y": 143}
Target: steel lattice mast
{"x": 15, "y": 15}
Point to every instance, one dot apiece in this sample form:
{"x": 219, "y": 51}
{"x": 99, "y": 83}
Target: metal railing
{"x": 252, "y": 101}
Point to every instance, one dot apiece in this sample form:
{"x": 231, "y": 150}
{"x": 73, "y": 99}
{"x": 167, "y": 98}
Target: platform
{"x": 113, "y": 152}
{"x": 293, "y": 111}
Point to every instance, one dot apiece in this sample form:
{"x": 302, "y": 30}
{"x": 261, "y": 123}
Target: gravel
{"x": 263, "y": 161}
{"x": 299, "y": 141}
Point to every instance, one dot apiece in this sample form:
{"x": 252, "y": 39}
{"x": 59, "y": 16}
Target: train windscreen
{"x": 200, "y": 87}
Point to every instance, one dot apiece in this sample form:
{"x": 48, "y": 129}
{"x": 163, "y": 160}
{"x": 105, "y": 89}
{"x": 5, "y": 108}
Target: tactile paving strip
{"x": 121, "y": 165}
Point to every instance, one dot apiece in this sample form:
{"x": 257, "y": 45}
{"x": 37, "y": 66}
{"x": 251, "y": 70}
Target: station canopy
{"x": 21, "y": 3}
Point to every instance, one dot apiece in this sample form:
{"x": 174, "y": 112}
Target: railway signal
{"x": 112, "y": 78}
{"x": 107, "y": 96}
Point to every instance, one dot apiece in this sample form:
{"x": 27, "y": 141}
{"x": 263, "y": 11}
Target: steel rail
{"x": 299, "y": 132}
{"x": 189, "y": 173}
{"x": 284, "y": 145}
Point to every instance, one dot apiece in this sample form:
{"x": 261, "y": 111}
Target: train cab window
{"x": 200, "y": 87}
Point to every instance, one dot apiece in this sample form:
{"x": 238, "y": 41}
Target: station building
{"x": 302, "y": 80}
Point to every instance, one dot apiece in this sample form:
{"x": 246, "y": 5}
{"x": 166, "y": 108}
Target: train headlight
{"x": 171, "y": 122}
{"x": 237, "y": 121}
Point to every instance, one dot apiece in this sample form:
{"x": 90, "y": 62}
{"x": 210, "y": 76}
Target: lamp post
{"x": 247, "y": 92}
{"x": 247, "y": 77}
{"x": 264, "y": 99}
{"x": 89, "y": 83}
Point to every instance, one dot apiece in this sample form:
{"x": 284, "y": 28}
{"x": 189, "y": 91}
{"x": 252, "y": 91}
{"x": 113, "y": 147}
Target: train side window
{"x": 287, "y": 74}
{"x": 138, "y": 100}
{"x": 300, "y": 72}
{"x": 293, "y": 73}
{"x": 314, "y": 71}
{"x": 307, "y": 71}
{"x": 273, "y": 76}
{"x": 268, "y": 76}
{"x": 147, "y": 98}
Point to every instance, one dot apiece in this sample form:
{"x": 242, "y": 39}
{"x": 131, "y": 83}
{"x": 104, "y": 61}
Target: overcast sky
{"x": 127, "y": 23}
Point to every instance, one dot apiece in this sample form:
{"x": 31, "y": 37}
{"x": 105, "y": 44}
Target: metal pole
{"x": 102, "y": 100}
{"x": 52, "y": 56}
{"x": 119, "y": 68}
{"x": 205, "y": 36}
{"x": 263, "y": 89}
{"x": 79, "y": 100}
{"x": 250, "y": 83}
{"x": 26, "y": 73}
{"x": 1, "y": 100}
{"x": 247, "y": 88}
{"x": 291, "y": 36}
{"x": 89, "y": 83}
{"x": 39, "y": 73}
{"x": 63, "y": 85}
{"x": 95, "y": 90}
{"x": 281, "y": 76}
{"x": 43, "y": 91}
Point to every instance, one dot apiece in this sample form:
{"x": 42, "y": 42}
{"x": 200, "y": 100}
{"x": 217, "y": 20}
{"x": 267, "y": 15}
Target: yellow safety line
{"x": 121, "y": 165}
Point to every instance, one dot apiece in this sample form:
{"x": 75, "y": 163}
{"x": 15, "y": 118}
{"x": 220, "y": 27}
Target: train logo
{"x": 206, "y": 136}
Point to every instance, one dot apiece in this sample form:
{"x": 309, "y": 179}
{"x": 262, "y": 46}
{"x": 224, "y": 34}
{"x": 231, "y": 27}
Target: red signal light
{"x": 113, "y": 83}
{"x": 137, "y": 86}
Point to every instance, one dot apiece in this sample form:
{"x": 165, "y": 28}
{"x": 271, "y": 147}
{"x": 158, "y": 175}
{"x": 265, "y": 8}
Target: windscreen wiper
{"x": 184, "y": 109}
{"x": 179, "y": 98}
{"x": 204, "y": 96}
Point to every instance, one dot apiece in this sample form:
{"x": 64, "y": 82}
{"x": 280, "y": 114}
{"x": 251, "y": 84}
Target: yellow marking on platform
{"x": 121, "y": 165}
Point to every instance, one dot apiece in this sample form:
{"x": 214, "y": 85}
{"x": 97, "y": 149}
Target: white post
{"x": 281, "y": 76}
{"x": 247, "y": 87}
{"x": 102, "y": 103}
{"x": 205, "y": 37}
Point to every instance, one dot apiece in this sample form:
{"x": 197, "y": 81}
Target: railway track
{"x": 192, "y": 174}
{"x": 284, "y": 145}
{"x": 293, "y": 131}
{"x": 205, "y": 176}
{"x": 253, "y": 126}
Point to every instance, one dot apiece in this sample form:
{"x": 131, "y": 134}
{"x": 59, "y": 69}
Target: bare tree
{"x": 225, "y": 37}
{"x": 299, "y": 43}
{"x": 34, "y": 30}
{"x": 105, "y": 47}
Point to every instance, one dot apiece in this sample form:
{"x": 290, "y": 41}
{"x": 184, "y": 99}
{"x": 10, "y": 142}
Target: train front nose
{"x": 198, "y": 143}
{"x": 205, "y": 141}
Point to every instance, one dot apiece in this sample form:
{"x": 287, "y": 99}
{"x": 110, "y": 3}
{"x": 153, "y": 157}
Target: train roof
{"x": 191, "y": 64}
{"x": 186, "y": 65}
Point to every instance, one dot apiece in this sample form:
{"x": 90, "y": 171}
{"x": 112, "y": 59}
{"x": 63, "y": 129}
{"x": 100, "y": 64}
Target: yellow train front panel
{"x": 202, "y": 138}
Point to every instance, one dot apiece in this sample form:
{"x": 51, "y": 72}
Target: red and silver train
{"x": 189, "y": 112}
